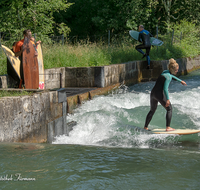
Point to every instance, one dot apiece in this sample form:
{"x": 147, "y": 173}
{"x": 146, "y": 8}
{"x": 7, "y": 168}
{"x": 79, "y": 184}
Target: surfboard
{"x": 154, "y": 41}
{"x": 30, "y": 65}
{"x": 176, "y": 131}
{"x": 13, "y": 67}
{"x": 40, "y": 66}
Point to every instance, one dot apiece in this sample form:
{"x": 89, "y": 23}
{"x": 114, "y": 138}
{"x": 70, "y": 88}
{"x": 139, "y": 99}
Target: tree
{"x": 36, "y": 15}
{"x": 96, "y": 17}
{"x": 168, "y": 7}
{"x": 144, "y": 12}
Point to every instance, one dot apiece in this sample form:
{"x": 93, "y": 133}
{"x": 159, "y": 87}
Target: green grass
{"x": 95, "y": 55}
{"x": 4, "y": 93}
{"x": 3, "y": 63}
{"x": 87, "y": 55}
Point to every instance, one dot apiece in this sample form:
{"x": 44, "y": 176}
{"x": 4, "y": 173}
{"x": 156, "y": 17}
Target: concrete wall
{"x": 25, "y": 119}
{"x": 54, "y": 78}
{"x": 129, "y": 73}
{"x": 7, "y": 82}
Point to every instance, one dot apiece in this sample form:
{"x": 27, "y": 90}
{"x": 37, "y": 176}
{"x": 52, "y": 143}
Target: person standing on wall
{"x": 144, "y": 37}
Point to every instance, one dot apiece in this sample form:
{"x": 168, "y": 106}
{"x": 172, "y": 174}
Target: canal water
{"x": 108, "y": 148}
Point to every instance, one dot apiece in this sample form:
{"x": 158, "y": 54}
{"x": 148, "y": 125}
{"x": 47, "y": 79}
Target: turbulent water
{"x": 108, "y": 149}
{"x": 117, "y": 120}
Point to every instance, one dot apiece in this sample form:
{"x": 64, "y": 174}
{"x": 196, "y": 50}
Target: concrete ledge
{"x": 103, "y": 91}
{"x": 128, "y": 73}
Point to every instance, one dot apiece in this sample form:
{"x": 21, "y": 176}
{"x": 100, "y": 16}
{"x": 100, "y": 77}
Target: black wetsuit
{"x": 144, "y": 37}
{"x": 159, "y": 93}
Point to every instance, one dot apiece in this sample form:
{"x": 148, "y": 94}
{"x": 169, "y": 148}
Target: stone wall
{"x": 26, "y": 118}
{"x": 7, "y": 81}
{"x": 128, "y": 73}
{"x": 54, "y": 78}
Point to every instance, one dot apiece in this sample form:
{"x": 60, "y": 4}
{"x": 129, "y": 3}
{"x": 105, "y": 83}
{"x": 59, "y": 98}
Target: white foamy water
{"x": 111, "y": 120}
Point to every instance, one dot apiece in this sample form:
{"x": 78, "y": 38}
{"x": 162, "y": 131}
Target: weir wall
{"x": 40, "y": 117}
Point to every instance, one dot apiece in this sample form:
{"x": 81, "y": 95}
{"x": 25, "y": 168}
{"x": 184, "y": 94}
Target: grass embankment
{"x": 94, "y": 55}
{"x": 4, "y": 93}
{"x": 98, "y": 55}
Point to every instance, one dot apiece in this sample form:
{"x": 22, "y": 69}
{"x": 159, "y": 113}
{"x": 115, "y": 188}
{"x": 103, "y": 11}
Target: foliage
{"x": 36, "y": 15}
{"x": 86, "y": 18}
{"x": 3, "y": 63}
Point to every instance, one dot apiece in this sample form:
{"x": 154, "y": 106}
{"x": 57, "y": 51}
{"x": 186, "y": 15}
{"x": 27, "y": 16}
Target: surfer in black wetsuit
{"x": 160, "y": 94}
{"x": 144, "y": 37}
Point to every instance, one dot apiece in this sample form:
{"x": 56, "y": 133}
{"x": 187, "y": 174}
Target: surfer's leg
{"x": 168, "y": 118}
{"x": 147, "y": 55}
{"x": 154, "y": 104}
{"x": 139, "y": 49}
{"x": 168, "y": 114}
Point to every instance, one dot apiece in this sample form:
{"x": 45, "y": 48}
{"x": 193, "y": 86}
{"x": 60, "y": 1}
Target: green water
{"x": 106, "y": 151}
{"x": 91, "y": 167}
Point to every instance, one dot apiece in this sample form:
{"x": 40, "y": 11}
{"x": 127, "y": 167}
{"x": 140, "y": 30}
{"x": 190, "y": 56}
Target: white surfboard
{"x": 176, "y": 131}
{"x": 40, "y": 66}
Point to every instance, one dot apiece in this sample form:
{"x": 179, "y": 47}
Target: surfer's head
{"x": 141, "y": 27}
{"x": 27, "y": 33}
{"x": 173, "y": 66}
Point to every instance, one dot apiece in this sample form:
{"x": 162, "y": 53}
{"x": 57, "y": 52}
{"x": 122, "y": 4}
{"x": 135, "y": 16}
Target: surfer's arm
{"x": 38, "y": 42}
{"x": 166, "y": 93}
{"x": 17, "y": 54}
{"x": 139, "y": 37}
{"x": 166, "y": 85}
{"x": 179, "y": 80}
{"x": 165, "y": 89}
{"x": 176, "y": 78}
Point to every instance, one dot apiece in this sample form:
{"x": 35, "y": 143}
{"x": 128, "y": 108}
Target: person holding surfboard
{"x": 160, "y": 94}
{"x": 19, "y": 44}
{"x": 18, "y": 53}
{"x": 144, "y": 37}
{"x": 35, "y": 44}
